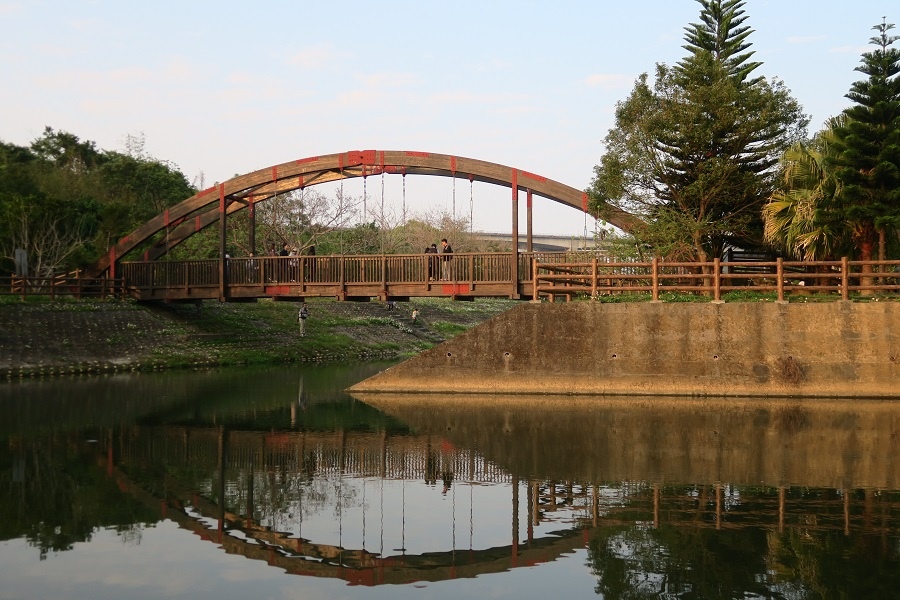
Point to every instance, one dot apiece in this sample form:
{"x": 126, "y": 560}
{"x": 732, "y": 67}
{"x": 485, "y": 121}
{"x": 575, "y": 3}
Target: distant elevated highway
{"x": 542, "y": 243}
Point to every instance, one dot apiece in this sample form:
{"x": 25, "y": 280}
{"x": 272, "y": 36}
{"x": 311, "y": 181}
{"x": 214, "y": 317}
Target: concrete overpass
{"x": 542, "y": 243}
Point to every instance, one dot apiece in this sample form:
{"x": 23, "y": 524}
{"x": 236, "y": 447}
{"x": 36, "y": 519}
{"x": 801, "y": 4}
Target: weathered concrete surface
{"x": 835, "y": 349}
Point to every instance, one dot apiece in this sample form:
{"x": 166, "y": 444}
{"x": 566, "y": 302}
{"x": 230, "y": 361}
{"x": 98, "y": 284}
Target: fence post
{"x": 654, "y": 277}
{"x": 845, "y": 278}
{"x": 717, "y": 279}
{"x": 534, "y": 280}
{"x": 594, "y": 278}
{"x": 343, "y": 291}
{"x": 779, "y": 273}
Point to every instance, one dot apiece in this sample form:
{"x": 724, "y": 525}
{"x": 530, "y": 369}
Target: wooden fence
{"x": 598, "y": 277}
{"x": 54, "y": 286}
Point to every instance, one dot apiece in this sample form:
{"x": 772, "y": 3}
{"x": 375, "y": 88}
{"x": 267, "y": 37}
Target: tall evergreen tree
{"x": 695, "y": 155}
{"x": 721, "y": 34}
{"x": 866, "y": 157}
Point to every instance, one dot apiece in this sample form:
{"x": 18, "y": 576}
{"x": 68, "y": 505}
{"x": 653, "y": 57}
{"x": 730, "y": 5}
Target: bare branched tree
{"x": 48, "y": 240}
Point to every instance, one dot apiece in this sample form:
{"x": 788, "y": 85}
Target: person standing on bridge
{"x": 446, "y": 251}
{"x": 432, "y": 261}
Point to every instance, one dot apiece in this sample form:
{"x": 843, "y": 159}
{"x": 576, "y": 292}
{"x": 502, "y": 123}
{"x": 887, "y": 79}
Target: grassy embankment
{"x": 38, "y": 337}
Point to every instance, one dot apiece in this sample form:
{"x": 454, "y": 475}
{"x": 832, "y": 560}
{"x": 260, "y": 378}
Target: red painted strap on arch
{"x": 360, "y": 157}
{"x": 274, "y": 173}
{"x": 584, "y": 201}
{"x": 418, "y": 154}
{"x": 311, "y": 159}
{"x": 514, "y": 179}
{"x": 528, "y": 198}
{"x": 382, "y": 161}
{"x": 453, "y": 164}
{"x": 533, "y": 176}
{"x": 197, "y": 226}
{"x": 166, "y": 217}
{"x": 145, "y": 256}
{"x": 300, "y": 183}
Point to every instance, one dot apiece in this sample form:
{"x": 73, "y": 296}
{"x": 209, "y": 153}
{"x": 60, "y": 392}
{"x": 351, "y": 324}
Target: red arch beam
{"x": 203, "y": 208}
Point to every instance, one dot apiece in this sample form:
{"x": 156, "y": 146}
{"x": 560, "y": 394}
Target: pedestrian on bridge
{"x": 432, "y": 260}
{"x": 446, "y": 251}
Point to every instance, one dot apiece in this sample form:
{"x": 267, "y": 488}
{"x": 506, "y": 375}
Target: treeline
{"x": 712, "y": 155}
{"x": 65, "y": 202}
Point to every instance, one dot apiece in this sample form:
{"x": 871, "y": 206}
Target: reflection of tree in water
{"x": 53, "y": 495}
{"x": 638, "y": 561}
{"x": 807, "y": 558}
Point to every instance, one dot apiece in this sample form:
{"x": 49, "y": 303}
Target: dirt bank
{"x": 39, "y": 338}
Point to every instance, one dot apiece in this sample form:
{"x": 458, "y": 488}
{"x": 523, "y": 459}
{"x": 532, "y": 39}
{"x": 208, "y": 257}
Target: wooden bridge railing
{"x": 714, "y": 278}
{"x": 472, "y": 274}
{"x": 355, "y": 275}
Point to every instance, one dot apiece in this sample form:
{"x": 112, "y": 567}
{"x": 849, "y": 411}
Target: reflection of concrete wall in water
{"x": 751, "y": 441}
{"x": 834, "y": 349}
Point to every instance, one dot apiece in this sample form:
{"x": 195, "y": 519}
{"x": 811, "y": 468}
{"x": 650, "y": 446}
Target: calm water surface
{"x": 275, "y": 484}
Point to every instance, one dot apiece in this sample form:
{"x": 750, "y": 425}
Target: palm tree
{"x": 799, "y": 217}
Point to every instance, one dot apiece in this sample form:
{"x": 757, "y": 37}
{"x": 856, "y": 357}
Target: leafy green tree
{"x": 696, "y": 154}
{"x": 866, "y": 158}
{"x": 66, "y": 202}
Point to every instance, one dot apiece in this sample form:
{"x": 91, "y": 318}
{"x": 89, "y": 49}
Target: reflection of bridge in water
{"x": 297, "y": 500}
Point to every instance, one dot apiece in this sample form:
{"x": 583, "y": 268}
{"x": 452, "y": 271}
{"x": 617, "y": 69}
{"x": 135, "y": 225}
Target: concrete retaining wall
{"x": 834, "y": 349}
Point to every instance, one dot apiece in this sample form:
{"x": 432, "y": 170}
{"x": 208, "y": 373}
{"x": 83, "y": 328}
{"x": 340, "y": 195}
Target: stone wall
{"x": 833, "y": 349}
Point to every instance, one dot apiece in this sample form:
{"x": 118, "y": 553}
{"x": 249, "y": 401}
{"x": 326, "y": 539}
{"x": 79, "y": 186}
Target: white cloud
{"x": 805, "y": 39}
{"x": 9, "y": 8}
{"x": 315, "y": 57}
{"x": 857, "y": 50}
{"x": 609, "y": 81}
{"x": 388, "y": 80}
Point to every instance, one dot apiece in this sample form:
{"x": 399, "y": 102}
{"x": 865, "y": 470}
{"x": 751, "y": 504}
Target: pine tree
{"x": 867, "y": 148}
{"x": 722, "y": 35}
{"x": 696, "y": 154}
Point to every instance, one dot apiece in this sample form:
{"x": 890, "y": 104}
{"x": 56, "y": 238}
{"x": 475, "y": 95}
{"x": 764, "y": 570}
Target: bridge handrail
{"x": 345, "y": 269}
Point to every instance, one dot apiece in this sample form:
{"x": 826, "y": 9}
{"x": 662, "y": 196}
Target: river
{"x": 273, "y": 483}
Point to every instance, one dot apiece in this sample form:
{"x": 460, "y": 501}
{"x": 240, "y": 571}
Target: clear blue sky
{"x": 230, "y": 87}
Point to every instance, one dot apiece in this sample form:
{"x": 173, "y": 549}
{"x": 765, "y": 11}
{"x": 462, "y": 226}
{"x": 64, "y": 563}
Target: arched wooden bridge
{"x": 215, "y": 204}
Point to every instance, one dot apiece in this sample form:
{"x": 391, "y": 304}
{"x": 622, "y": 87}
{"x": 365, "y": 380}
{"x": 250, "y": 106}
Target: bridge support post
{"x": 515, "y": 234}
{"x": 223, "y": 266}
{"x": 529, "y": 246}
{"x": 252, "y": 210}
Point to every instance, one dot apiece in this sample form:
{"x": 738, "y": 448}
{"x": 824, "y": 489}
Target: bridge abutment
{"x": 831, "y": 349}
